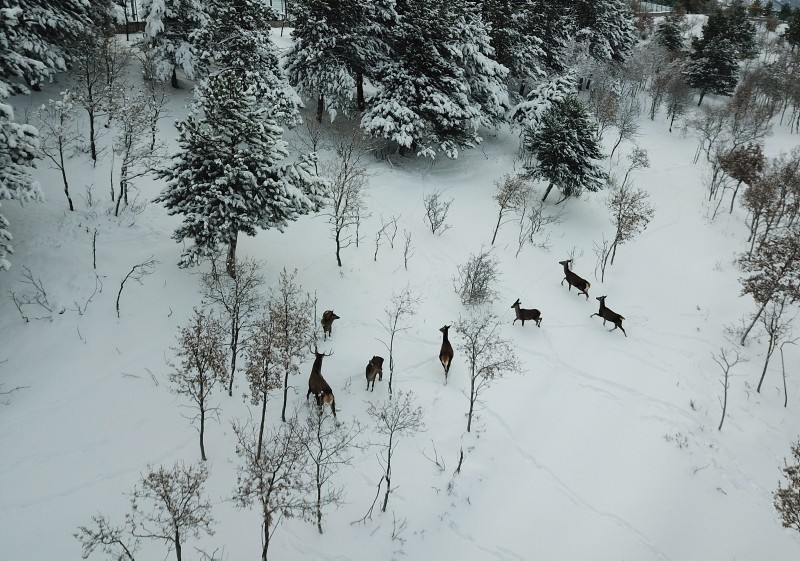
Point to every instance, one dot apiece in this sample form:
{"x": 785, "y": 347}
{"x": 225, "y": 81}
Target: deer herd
{"x": 324, "y": 394}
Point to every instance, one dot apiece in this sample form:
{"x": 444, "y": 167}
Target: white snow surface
{"x": 604, "y": 448}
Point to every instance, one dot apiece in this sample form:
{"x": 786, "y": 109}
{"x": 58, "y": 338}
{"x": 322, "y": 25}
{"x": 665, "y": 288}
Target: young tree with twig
{"x": 726, "y": 359}
{"x": 201, "y": 368}
{"x": 262, "y": 369}
{"x": 58, "y": 135}
{"x": 238, "y": 299}
{"x": 488, "y": 355}
{"x": 511, "y": 196}
{"x": 777, "y": 327}
{"x": 402, "y": 307}
{"x": 394, "y": 418}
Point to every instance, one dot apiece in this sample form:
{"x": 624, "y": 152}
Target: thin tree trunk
{"x": 230, "y": 263}
{"x": 265, "y": 547}
{"x": 702, "y": 95}
{"x": 338, "y": 247}
{"x": 783, "y": 370}
{"x": 388, "y": 475}
{"x": 234, "y": 345}
{"x": 177, "y": 544}
{"x": 64, "y": 177}
{"x": 285, "y": 393}
{"x": 175, "y": 77}
{"x": 360, "y": 101}
{"x": 770, "y": 350}
{"x": 733, "y": 197}
{"x": 472, "y": 397}
{"x": 547, "y": 191}
{"x": 755, "y": 319}
{"x": 202, "y": 433}
{"x": 92, "y": 133}
{"x": 320, "y": 107}
{"x": 671, "y": 121}
{"x": 497, "y": 226}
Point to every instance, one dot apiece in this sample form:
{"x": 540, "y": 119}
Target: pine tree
{"x": 792, "y": 33}
{"x": 785, "y": 12}
{"x": 670, "y": 35}
{"x": 441, "y": 83}
{"x": 715, "y": 69}
{"x": 168, "y": 30}
{"x": 335, "y": 45}
{"x": 733, "y": 24}
{"x": 566, "y": 145}
{"x": 228, "y": 176}
{"x": 19, "y": 146}
{"x": 236, "y": 37}
{"x": 606, "y": 26}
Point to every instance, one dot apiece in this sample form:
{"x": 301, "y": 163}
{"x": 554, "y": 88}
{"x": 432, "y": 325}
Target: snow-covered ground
{"x": 604, "y": 448}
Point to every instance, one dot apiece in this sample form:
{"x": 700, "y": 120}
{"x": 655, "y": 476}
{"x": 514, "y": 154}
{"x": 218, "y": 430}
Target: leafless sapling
{"x": 168, "y": 505}
{"x": 348, "y": 180}
{"x": 487, "y": 354}
{"x": 787, "y": 499}
{"x": 626, "y": 121}
{"x": 512, "y": 195}
{"x": 630, "y": 208}
{"x": 272, "y": 480}
{"x": 56, "y": 123}
{"x": 777, "y": 327}
{"x": 201, "y": 368}
{"x": 328, "y": 445}
{"x": 474, "y": 282}
{"x": 117, "y": 542}
{"x": 291, "y": 312}
{"x": 783, "y": 370}
{"x": 408, "y": 249}
{"x": 726, "y": 359}
{"x": 238, "y": 300}
{"x": 262, "y": 369}
{"x": 402, "y": 307}
{"x": 436, "y": 209}
{"x": 137, "y": 273}
{"x": 395, "y": 418}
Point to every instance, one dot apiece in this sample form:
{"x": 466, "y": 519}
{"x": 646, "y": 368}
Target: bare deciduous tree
{"x": 475, "y": 279}
{"x": 58, "y": 135}
{"x": 488, "y": 355}
{"x": 201, "y": 368}
{"x": 402, "y": 307}
{"x": 168, "y": 505}
{"x": 512, "y": 194}
{"x": 626, "y": 121}
{"x": 272, "y": 480}
{"x": 436, "y": 209}
{"x": 630, "y": 208}
{"x": 328, "y": 445}
{"x": 777, "y": 327}
{"x": 291, "y": 312}
{"x": 726, "y": 359}
{"x": 137, "y": 273}
{"x": 117, "y": 542}
{"x": 348, "y": 185}
{"x": 238, "y": 299}
{"x": 395, "y": 418}
{"x": 262, "y": 369}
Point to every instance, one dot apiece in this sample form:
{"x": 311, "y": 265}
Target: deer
{"x": 318, "y": 386}
{"x": 374, "y": 368}
{"x": 523, "y": 314}
{"x": 574, "y": 280}
{"x": 327, "y": 322}
{"x": 609, "y": 315}
{"x": 446, "y": 352}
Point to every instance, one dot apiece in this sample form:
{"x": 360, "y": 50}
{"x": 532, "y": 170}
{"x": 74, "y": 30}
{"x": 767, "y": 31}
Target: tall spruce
{"x": 669, "y": 33}
{"x": 441, "y": 83}
{"x": 169, "y": 26}
{"x": 566, "y": 148}
{"x": 606, "y": 27}
{"x": 714, "y": 69}
{"x": 228, "y": 176}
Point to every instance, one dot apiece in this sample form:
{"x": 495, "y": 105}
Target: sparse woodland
{"x": 233, "y": 140}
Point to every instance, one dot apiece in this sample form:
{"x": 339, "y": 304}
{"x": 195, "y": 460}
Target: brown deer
{"x": 318, "y": 386}
{"x": 327, "y": 322}
{"x": 446, "y": 352}
{"x": 374, "y": 368}
{"x": 574, "y": 280}
{"x": 607, "y": 314}
{"x": 523, "y": 314}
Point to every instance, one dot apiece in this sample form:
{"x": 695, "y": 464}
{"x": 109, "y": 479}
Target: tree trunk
{"x": 755, "y": 319}
{"x": 202, "y": 433}
{"x": 472, "y": 398}
{"x": 64, "y": 177}
{"x": 265, "y": 547}
{"x": 388, "y": 475}
{"x": 177, "y": 544}
{"x": 261, "y": 426}
{"x": 733, "y": 197}
{"x": 338, "y": 247}
{"x": 320, "y": 107}
{"x": 175, "y": 77}
{"x": 497, "y": 226}
{"x": 230, "y": 263}
{"x": 234, "y": 345}
{"x": 285, "y": 393}
{"x": 547, "y": 191}
{"x": 702, "y": 95}
{"x": 671, "y": 121}
{"x": 783, "y": 370}
{"x": 92, "y": 134}
{"x": 319, "y": 502}
{"x": 360, "y": 101}
{"x": 770, "y": 350}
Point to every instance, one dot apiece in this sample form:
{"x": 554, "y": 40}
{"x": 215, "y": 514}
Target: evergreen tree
{"x": 730, "y": 23}
{"x": 19, "y": 146}
{"x": 785, "y": 12}
{"x": 606, "y": 27}
{"x": 670, "y": 34}
{"x": 566, "y": 146}
{"x": 38, "y": 38}
{"x": 792, "y": 33}
{"x": 335, "y": 45}
{"x": 769, "y": 9}
{"x": 236, "y": 37}
{"x": 441, "y": 82}
{"x": 715, "y": 69}
{"x": 755, "y": 8}
{"x": 168, "y": 31}
{"x": 228, "y": 176}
